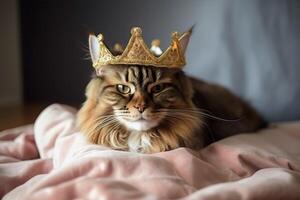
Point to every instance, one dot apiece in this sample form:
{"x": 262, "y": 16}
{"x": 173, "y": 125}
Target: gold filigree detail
{"x": 138, "y": 53}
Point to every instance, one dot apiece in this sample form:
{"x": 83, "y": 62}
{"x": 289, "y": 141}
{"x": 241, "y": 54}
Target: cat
{"x": 150, "y": 109}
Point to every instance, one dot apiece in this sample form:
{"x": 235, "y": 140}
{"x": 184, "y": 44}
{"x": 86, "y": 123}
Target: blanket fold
{"x": 52, "y": 160}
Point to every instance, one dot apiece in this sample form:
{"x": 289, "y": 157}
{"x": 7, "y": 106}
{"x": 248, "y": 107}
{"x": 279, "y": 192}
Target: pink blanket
{"x": 50, "y": 160}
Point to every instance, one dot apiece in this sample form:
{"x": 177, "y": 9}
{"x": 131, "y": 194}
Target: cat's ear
{"x": 184, "y": 39}
{"x": 94, "y": 48}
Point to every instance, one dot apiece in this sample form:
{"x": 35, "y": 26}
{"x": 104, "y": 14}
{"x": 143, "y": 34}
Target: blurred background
{"x": 251, "y": 47}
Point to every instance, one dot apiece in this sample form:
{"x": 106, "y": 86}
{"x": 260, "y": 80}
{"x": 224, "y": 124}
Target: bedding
{"x": 52, "y": 160}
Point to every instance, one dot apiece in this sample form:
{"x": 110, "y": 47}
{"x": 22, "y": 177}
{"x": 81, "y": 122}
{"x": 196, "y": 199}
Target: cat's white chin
{"x": 139, "y": 125}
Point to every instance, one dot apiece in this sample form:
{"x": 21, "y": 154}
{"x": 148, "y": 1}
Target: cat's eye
{"x": 157, "y": 88}
{"x": 124, "y": 89}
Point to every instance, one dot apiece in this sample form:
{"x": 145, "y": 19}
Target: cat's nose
{"x": 140, "y": 107}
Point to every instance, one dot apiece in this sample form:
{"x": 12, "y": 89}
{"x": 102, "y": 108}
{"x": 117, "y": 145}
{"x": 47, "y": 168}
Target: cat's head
{"x": 139, "y": 97}
{"x": 139, "y": 108}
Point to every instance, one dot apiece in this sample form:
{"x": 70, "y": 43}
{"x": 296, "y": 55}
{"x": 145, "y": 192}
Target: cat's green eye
{"x": 124, "y": 89}
{"x": 157, "y": 88}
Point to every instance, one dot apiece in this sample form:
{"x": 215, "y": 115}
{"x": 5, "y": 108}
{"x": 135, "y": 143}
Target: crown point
{"x": 100, "y": 37}
{"x": 136, "y": 31}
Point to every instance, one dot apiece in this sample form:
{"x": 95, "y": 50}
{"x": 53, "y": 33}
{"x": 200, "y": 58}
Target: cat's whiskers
{"x": 198, "y": 111}
{"x": 174, "y": 113}
{"x": 102, "y": 121}
{"x": 179, "y": 117}
{"x": 106, "y": 120}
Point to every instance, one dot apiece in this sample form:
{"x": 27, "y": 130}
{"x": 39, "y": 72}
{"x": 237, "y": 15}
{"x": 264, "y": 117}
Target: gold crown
{"x": 137, "y": 53}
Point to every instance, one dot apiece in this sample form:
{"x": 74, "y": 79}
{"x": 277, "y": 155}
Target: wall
{"x": 10, "y": 62}
{"x": 55, "y": 37}
{"x": 251, "y": 47}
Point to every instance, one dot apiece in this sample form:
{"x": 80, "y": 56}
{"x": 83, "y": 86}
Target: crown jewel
{"x": 138, "y": 53}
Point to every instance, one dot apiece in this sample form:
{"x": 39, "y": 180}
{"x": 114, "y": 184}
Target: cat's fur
{"x": 186, "y": 112}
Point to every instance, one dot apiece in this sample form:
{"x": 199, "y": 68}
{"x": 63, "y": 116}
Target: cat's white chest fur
{"x": 138, "y": 141}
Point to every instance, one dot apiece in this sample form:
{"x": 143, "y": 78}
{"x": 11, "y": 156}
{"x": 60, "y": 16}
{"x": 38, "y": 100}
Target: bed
{"x": 50, "y": 159}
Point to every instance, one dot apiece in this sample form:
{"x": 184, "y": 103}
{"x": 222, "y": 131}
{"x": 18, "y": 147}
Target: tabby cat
{"x": 150, "y": 109}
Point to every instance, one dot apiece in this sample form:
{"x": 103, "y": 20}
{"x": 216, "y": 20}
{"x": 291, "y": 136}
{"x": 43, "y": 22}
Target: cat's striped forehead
{"x": 138, "y": 75}
{"x": 142, "y": 75}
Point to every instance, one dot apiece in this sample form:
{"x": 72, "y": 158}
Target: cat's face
{"x": 139, "y": 108}
{"x": 141, "y": 98}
